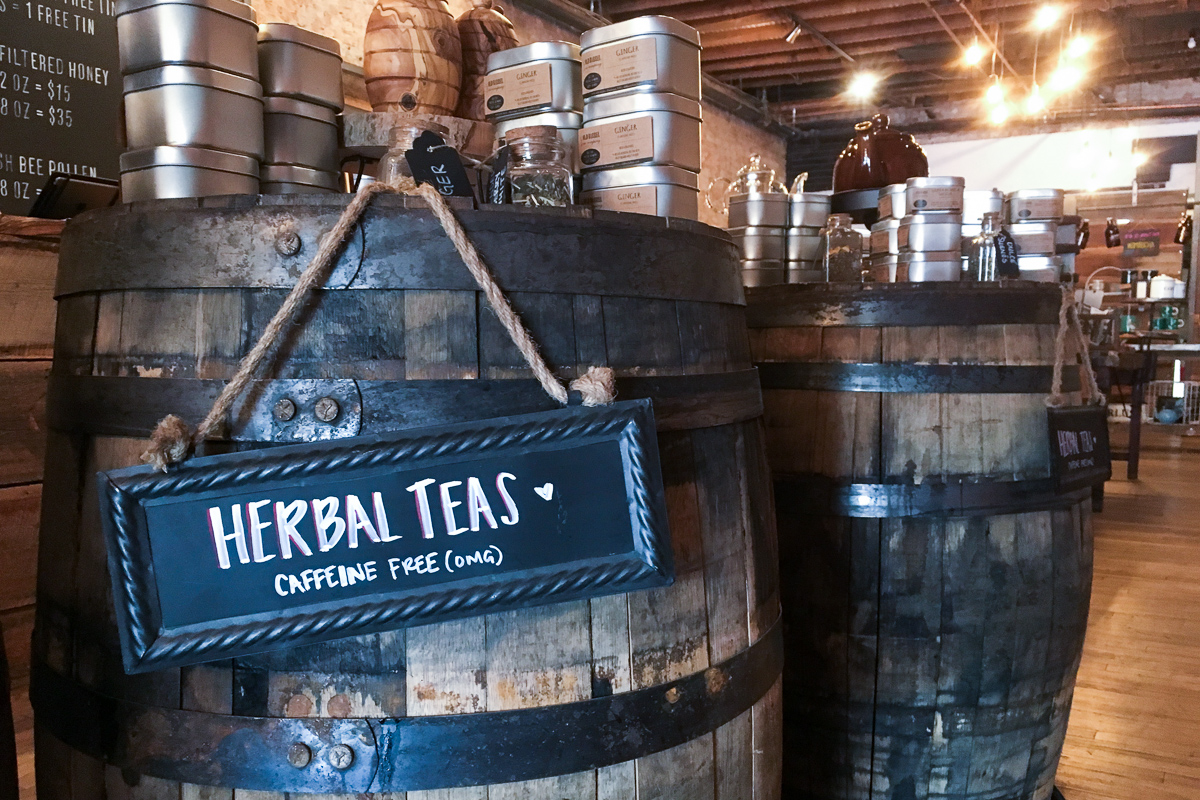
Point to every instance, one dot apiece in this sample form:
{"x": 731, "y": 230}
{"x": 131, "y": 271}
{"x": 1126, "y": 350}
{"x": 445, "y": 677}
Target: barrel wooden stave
{"x": 725, "y": 596}
{"x": 927, "y": 657}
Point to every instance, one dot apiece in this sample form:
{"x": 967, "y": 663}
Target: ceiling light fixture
{"x": 794, "y": 34}
{"x": 1034, "y": 104}
{"x": 1079, "y": 47}
{"x": 973, "y": 54}
{"x": 999, "y": 114}
{"x": 862, "y": 85}
{"x": 995, "y": 92}
{"x": 1046, "y": 16}
{"x": 1191, "y": 40}
{"x": 1065, "y": 78}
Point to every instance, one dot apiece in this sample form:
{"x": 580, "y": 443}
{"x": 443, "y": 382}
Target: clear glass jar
{"x": 982, "y": 260}
{"x": 538, "y": 171}
{"x": 841, "y": 250}
{"x": 394, "y": 165}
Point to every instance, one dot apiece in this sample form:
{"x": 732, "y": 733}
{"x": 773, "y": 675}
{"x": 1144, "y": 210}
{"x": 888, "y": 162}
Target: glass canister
{"x": 539, "y": 173}
{"x": 841, "y": 250}
{"x": 394, "y": 165}
{"x": 981, "y": 256}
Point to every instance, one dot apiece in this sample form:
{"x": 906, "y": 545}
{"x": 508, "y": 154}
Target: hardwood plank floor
{"x": 1135, "y": 724}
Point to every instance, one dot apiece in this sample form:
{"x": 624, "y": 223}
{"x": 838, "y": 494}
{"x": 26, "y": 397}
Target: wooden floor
{"x": 1135, "y": 725}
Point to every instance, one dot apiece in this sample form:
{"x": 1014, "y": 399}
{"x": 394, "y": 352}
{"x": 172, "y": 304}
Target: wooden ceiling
{"x": 915, "y": 46}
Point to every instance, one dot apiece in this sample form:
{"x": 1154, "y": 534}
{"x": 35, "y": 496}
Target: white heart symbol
{"x": 545, "y": 492}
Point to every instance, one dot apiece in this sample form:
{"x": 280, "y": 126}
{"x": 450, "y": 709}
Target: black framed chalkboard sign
{"x": 60, "y": 95}
{"x": 240, "y": 553}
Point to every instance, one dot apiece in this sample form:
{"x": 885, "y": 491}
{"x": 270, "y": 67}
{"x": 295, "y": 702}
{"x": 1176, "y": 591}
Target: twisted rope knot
{"x": 1071, "y": 344}
{"x": 173, "y": 441}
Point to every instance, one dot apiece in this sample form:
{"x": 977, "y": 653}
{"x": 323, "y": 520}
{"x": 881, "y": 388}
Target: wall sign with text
{"x": 1141, "y": 242}
{"x": 60, "y": 95}
{"x": 236, "y": 554}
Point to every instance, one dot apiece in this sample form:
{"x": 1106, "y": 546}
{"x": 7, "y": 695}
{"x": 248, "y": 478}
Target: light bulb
{"x": 995, "y": 93}
{"x": 1191, "y": 41}
{"x": 1065, "y": 77}
{"x": 999, "y": 114}
{"x": 1046, "y": 16}
{"x": 1034, "y": 104}
{"x": 862, "y": 85}
{"x": 973, "y": 54}
{"x": 1079, "y": 46}
{"x": 1139, "y": 158}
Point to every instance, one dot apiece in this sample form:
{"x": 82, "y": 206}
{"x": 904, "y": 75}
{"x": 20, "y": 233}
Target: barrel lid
{"x": 287, "y": 173}
{"x": 164, "y": 156}
{"x": 636, "y": 103}
{"x": 231, "y": 8}
{"x": 176, "y": 75}
{"x": 538, "y": 51}
{"x": 640, "y": 26}
{"x": 299, "y": 108}
{"x": 559, "y": 119}
{"x": 282, "y": 32}
{"x": 640, "y": 176}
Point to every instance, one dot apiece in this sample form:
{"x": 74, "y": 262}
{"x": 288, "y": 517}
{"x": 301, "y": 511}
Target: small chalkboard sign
{"x": 1141, "y": 243}
{"x": 241, "y": 553}
{"x": 1079, "y": 454}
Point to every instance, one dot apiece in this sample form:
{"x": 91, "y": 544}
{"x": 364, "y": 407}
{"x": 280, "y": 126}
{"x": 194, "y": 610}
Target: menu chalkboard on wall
{"x": 60, "y": 94}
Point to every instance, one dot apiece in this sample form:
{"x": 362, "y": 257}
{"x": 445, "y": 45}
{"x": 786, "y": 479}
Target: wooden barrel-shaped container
{"x": 157, "y": 304}
{"x": 483, "y": 29}
{"x": 935, "y": 587}
{"x": 412, "y": 57}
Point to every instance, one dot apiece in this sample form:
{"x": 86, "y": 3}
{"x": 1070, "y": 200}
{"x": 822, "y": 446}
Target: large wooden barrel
{"x": 412, "y": 57}
{"x": 157, "y": 304}
{"x": 935, "y": 587}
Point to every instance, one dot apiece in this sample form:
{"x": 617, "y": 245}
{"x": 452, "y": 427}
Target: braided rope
{"x": 172, "y": 440}
{"x": 1070, "y": 343}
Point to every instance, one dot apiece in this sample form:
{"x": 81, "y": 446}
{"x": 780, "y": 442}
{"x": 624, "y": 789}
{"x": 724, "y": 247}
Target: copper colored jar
{"x": 878, "y": 156}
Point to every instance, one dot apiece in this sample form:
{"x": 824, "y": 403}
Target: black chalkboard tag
{"x": 499, "y": 190}
{"x": 1079, "y": 454}
{"x": 246, "y": 552}
{"x": 1007, "y": 265}
{"x": 434, "y": 162}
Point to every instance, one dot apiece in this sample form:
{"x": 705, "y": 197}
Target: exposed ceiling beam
{"x": 820, "y": 37}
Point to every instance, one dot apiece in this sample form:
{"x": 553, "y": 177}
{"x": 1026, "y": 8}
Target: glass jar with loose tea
{"x": 394, "y": 165}
{"x": 538, "y": 172}
{"x": 841, "y": 250}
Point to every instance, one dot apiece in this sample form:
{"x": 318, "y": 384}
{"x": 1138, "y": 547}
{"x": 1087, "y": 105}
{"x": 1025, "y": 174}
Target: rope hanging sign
{"x": 220, "y": 556}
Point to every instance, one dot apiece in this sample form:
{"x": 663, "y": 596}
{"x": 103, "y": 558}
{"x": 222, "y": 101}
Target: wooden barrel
{"x": 8, "y": 741}
{"x": 157, "y": 304}
{"x": 412, "y": 57}
{"x": 935, "y": 587}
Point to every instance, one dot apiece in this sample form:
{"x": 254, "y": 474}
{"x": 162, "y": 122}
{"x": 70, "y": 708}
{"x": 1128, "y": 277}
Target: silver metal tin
{"x": 676, "y": 192}
{"x": 299, "y": 133}
{"x": 675, "y": 123}
{"x": 161, "y": 173}
{"x": 926, "y": 267}
{"x": 803, "y": 246}
{"x": 1034, "y": 238}
{"x": 758, "y": 209}
{"x": 891, "y": 201}
{"x": 279, "y": 179}
{"x": 208, "y": 33}
{"x": 809, "y": 210}
{"x": 805, "y": 272}
{"x": 1047, "y": 269}
{"x": 929, "y": 233}
{"x": 567, "y": 122}
{"x": 885, "y": 237}
{"x": 758, "y": 243}
{"x": 675, "y": 65}
{"x": 293, "y": 62}
{"x": 763, "y": 273}
{"x": 977, "y": 202}
{"x": 194, "y": 107}
{"x": 1035, "y": 204}
{"x": 565, "y": 83}
{"x": 885, "y": 268}
{"x": 940, "y": 194}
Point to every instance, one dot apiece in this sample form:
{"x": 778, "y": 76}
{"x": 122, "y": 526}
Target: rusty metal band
{"x": 406, "y": 754}
{"x": 133, "y": 406}
{"x": 900, "y": 305}
{"x": 837, "y": 376}
{"x": 817, "y": 495}
{"x": 266, "y": 243}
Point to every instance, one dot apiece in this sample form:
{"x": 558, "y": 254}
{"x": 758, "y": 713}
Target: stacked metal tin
{"x": 807, "y": 214}
{"x": 1033, "y": 219}
{"x": 885, "y": 242}
{"x": 929, "y": 235}
{"x": 758, "y": 224}
{"x": 538, "y": 84}
{"x": 301, "y": 76}
{"x": 639, "y": 148}
{"x": 193, "y": 103}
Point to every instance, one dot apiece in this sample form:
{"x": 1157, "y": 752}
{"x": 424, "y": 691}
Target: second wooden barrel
{"x": 158, "y": 302}
{"x": 935, "y": 587}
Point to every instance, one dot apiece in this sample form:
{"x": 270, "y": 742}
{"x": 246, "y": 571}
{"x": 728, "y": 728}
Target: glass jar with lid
{"x": 982, "y": 260}
{"x": 538, "y": 171}
{"x": 841, "y": 250}
{"x": 394, "y": 165}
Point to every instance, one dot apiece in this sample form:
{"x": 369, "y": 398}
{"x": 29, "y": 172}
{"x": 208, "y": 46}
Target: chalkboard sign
{"x": 241, "y": 553}
{"x": 60, "y": 95}
{"x": 1141, "y": 243}
{"x": 1079, "y": 454}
